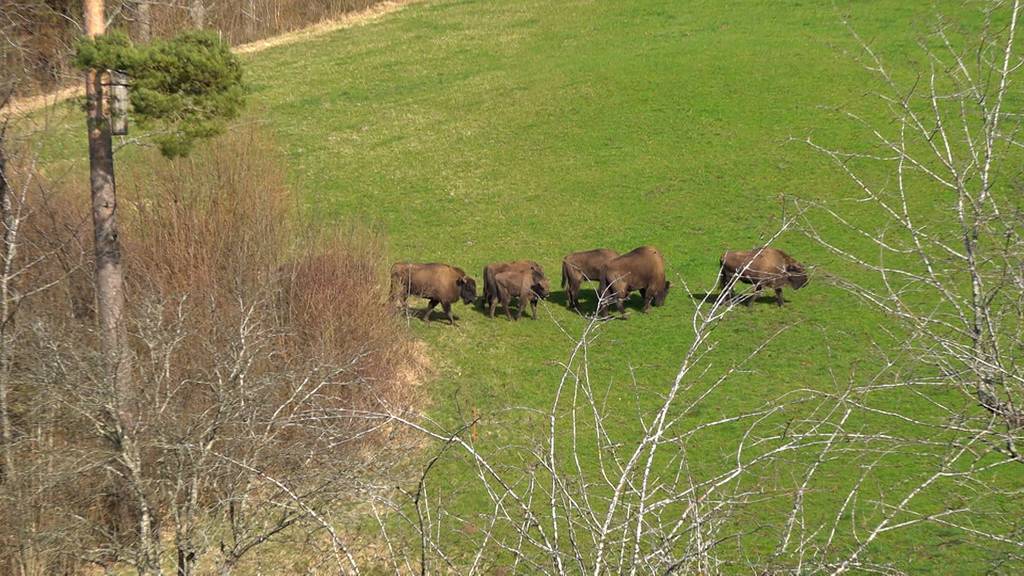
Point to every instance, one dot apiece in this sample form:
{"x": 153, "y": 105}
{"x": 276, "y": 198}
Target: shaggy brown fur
{"x": 642, "y": 269}
{"x": 764, "y": 268}
{"x": 439, "y": 283}
{"x": 580, "y": 267}
{"x": 526, "y": 286}
{"x": 490, "y": 294}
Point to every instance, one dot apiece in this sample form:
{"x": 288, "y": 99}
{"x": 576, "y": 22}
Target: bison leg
{"x": 430, "y": 308}
{"x": 574, "y": 294}
{"x": 648, "y": 298}
{"x": 492, "y": 302}
{"x": 725, "y": 283}
{"x": 778, "y": 297}
{"x": 506, "y": 304}
{"x": 447, "y": 307}
{"x": 533, "y": 307}
{"x": 753, "y": 295}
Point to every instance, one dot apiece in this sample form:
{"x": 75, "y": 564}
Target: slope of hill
{"x": 472, "y": 132}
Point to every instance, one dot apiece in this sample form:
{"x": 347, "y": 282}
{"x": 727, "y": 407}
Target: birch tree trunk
{"x": 143, "y": 21}
{"x": 197, "y": 13}
{"x": 9, "y": 252}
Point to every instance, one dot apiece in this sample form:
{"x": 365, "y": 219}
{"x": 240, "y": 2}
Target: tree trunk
{"x": 9, "y": 252}
{"x": 106, "y": 242}
{"x": 250, "y": 22}
{"x": 110, "y": 299}
{"x": 197, "y": 13}
{"x": 143, "y": 21}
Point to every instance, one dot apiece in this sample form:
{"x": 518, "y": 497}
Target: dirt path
{"x": 25, "y": 105}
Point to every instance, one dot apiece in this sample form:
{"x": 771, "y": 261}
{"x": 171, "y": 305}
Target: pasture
{"x": 473, "y": 132}
{"x": 470, "y": 132}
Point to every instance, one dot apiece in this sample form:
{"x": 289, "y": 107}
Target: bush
{"x": 257, "y": 352}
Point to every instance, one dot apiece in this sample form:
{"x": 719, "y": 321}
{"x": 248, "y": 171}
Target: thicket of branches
{"x": 255, "y": 346}
{"x": 39, "y": 36}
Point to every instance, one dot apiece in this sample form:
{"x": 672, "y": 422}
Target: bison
{"x": 439, "y": 283}
{"x": 490, "y": 293}
{"x": 580, "y": 267}
{"x": 525, "y": 285}
{"x": 643, "y": 269}
{"x": 764, "y": 268}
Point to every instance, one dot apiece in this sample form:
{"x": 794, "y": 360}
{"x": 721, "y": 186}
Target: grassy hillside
{"x": 478, "y": 131}
{"x": 473, "y": 131}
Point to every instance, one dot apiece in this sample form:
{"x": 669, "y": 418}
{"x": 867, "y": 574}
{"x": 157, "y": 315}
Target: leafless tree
{"x": 954, "y": 276}
{"x": 937, "y": 223}
{"x": 28, "y": 278}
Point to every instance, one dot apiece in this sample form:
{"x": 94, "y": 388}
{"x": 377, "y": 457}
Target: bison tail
{"x": 722, "y": 280}
{"x": 565, "y": 274}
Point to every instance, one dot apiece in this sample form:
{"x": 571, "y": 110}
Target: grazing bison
{"x": 642, "y": 269}
{"x": 580, "y": 267}
{"x": 764, "y": 268}
{"x": 525, "y": 285}
{"x": 490, "y": 295}
{"x": 439, "y": 283}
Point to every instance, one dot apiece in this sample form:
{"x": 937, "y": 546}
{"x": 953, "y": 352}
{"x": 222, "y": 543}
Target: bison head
{"x": 659, "y": 299}
{"x": 796, "y": 275}
{"x": 467, "y": 289}
{"x": 540, "y": 285}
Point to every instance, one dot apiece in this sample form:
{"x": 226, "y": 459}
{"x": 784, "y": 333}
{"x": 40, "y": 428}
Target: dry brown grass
{"x": 220, "y": 227}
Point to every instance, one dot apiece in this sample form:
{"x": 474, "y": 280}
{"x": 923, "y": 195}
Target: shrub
{"x": 257, "y": 351}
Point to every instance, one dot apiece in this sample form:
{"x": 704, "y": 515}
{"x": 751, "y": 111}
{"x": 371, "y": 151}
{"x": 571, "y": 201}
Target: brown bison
{"x": 764, "y": 268}
{"x": 580, "y": 267}
{"x": 490, "y": 293}
{"x": 524, "y": 285}
{"x": 643, "y": 269}
{"x": 439, "y": 283}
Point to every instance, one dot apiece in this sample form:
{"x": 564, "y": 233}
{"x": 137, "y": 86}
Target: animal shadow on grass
{"x": 482, "y": 308}
{"x": 589, "y": 300}
{"x": 740, "y": 298}
{"x": 415, "y": 312}
{"x": 558, "y": 298}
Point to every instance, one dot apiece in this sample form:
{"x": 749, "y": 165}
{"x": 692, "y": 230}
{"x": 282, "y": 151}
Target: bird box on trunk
{"x": 118, "y": 102}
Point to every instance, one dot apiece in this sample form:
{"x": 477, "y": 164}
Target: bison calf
{"x": 526, "y": 286}
{"x": 764, "y": 268}
{"x": 438, "y": 283}
{"x": 490, "y": 292}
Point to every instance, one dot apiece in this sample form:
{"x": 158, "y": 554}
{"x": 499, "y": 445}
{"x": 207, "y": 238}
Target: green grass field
{"x": 472, "y": 132}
